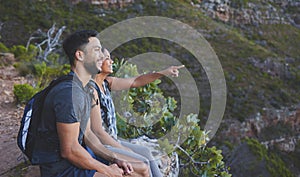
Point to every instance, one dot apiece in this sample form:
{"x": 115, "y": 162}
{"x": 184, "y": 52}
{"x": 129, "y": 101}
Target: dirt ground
{"x": 11, "y": 163}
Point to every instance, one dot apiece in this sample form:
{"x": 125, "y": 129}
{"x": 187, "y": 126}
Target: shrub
{"x": 23, "y": 92}
{"x": 3, "y": 48}
{"x": 149, "y": 107}
{"x": 18, "y": 50}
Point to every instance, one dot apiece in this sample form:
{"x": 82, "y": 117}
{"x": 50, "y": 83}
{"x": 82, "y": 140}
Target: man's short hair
{"x": 77, "y": 41}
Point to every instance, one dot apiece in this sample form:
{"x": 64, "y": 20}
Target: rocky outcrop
{"x": 275, "y": 67}
{"x": 286, "y": 144}
{"x": 258, "y": 127}
{"x": 106, "y": 3}
{"x": 266, "y": 12}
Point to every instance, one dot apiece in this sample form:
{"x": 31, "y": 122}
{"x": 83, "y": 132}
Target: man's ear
{"x": 79, "y": 55}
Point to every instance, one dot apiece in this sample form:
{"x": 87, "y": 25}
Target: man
{"x": 68, "y": 107}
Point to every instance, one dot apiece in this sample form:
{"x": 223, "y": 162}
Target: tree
{"x": 51, "y": 40}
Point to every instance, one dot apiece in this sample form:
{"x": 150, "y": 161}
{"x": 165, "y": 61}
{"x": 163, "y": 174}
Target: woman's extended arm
{"x": 141, "y": 80}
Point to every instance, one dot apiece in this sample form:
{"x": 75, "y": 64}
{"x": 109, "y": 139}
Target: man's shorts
{"x": 71, "y": 170}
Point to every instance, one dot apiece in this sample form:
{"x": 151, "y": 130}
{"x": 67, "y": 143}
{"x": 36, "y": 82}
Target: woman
{"x": 107, "y": 83}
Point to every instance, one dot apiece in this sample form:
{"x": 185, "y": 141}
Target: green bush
{"x": 43, "y": 72}
{"x": 18, "y": 50}
{"x": 23, "y": 92}
{"x": 43, "y": 75}
{"x": 143, "y": 106}
{"x": 24, "y": 68}
{"x": 3, "y": 48}
{"x": 149, "y": 107}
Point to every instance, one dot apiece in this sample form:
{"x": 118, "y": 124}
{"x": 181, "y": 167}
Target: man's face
{"x": 93, "y": 56}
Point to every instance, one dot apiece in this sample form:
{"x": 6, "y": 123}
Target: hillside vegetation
{"x": 249, "y": 87}
{"x": 261, "y": 62}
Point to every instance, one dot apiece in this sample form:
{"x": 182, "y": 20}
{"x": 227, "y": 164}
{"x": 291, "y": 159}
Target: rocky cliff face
{"x": 265, "y": 12}
{"x": 106, "y": 3}
{"x": 234, "y": 12}
{"x": 276, "y": 129}
{"x": 273, "y": 127}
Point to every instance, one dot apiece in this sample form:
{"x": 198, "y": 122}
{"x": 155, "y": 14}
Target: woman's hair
{"x": 77, "y": 41}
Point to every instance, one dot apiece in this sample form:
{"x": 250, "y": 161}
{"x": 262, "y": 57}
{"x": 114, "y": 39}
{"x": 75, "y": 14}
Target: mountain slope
{"x": 260, "y": 57}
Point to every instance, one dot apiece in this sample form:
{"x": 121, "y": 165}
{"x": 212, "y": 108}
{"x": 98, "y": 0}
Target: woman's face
{"x": 107, "y": 63}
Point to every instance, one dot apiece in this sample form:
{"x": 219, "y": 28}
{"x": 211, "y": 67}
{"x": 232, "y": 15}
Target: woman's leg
{"x": 145, "y": 152}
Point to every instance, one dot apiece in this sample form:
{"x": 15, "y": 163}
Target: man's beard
{"x": 91, "y": 68}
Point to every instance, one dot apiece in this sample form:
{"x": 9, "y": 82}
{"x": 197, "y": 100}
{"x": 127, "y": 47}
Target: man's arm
{"x": 138, "y": 81}
{"x": 137, "y": 166}
{"x": 93, "y": 142}
{"x": 76, "y": 154}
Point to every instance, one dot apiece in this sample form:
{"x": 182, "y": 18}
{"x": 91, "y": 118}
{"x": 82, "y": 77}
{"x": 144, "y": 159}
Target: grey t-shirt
{"x": 68, "y": 102}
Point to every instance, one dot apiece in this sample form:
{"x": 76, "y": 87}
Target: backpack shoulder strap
{"x": 59, "y": 80}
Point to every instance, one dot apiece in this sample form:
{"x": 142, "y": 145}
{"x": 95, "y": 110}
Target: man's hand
{"x": 115, "y": 171}
{"x": 127, "y": 167}
{"x": 171, "y": 71}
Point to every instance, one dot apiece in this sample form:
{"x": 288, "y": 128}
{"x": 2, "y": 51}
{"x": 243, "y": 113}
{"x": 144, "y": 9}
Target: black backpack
{"x": 28, "y": 132}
